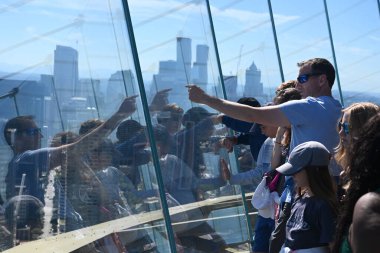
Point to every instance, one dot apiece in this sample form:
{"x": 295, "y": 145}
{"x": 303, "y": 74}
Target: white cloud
{"x": 350, "y": 50}
{"x": 375, "y": 38}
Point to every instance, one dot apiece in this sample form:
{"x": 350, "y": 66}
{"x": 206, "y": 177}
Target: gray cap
{"x": 309, "y": 153}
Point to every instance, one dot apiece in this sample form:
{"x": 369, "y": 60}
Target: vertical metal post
{"x": 144, "y": 100}
{"x": 16, "y": 106}
{"x": 276, "y": 41}
{"x": 333, "y": 52}
{"x": 250, "y": 232}
{"x": 58, "y": 105}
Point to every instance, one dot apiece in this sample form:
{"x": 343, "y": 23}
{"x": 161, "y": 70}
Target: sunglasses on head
{"x": 305, "y": 77}
{"x": 29, "y": 131}
{"x": 345, "y": 126}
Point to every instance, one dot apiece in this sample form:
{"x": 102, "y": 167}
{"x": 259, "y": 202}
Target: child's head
{"x": 308, "y": 164}
{"x": 307, "y": 154}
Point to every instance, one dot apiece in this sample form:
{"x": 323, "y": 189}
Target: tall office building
{"x": 199, "y": 71}
{"x": 65, "y": 72}
{"x": 120, "y": 84}
{"x": 253, "y": 85}
{"x": 176, "y": 74}
{"x": 184, "y": 58}
{"x": 230, "y": 84}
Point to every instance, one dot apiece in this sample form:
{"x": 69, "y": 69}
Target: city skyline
{"x": 240, "y": 24}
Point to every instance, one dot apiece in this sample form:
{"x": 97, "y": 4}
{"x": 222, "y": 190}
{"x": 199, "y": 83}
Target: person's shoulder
{"x": 297, "y": 102}
{"x": 368, "y": 203}
{"x": 365, "y": 226}
{"x": 327, "y": 99}
{"x": 269, "y": 141}
{"x": 318, "y": 203}
{"x": 33, "y": 153}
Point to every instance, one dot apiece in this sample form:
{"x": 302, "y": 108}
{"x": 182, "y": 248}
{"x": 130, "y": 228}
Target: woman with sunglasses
{"x": 358, "y": 225}
{"x": 353, "y": 119}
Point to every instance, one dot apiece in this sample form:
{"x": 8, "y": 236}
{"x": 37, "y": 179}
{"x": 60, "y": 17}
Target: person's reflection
{"x": 115, "y": 204}
{"x": 131, "y": 147}
{"x": 198, "y": 128}
{"x": 182, "y": 184}
{"x": 171, "y": 117}
{"x": 31, "y": 162}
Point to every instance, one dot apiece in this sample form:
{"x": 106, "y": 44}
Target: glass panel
{"x": 246, "y": 48}
{"x": 66, "y": 63}
{"x": 250, "y": 67}
{"x": 302, "y": 33}
{"x": 356, "y": 41}
{"x": 175, "y": 47}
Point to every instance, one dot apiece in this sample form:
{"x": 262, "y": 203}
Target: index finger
{"x": 165, "y": 90}
{"x": 132, "y": 97}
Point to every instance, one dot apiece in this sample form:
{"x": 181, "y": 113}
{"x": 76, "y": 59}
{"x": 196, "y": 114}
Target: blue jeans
{"x": 263, "y": 231}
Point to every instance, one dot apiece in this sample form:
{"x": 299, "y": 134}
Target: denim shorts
{"x": 263, "y": 231}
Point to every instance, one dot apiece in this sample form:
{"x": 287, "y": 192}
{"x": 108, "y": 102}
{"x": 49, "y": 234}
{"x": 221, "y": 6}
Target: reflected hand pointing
{"x": 196, "y": 94}
{"x": 229, "y": 143}
{"x": 128, "y": 106}
{"x": 224, "y": 170}
{"x": 160, "y": 100}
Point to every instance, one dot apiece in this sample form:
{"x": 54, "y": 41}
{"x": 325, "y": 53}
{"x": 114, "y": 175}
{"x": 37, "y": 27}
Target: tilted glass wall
{"x": 121, "y": 68}
{"x": 170, "y": 58}
{"x": 355, "y": 27}
{"x": 302, "y": 34}
{"x": 247, "y": 49}
{"x": 67, "y": 63}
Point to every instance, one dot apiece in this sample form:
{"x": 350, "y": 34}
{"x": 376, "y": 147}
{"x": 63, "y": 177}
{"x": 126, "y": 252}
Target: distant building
{"x": 120, "y": 84}
{"x": 199, "y": 71}
{"x": 176, "y": 74}
{"x": 230, "y": 84}
{"x": 253, "y": 86}
{"x": 184, "y": 59}
{"x": 65, "y": 72}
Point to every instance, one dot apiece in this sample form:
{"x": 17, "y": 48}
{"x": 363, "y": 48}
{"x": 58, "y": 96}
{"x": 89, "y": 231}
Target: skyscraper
{"x": 176, "y": 74}
{"x": 199, "y": 71}
{"x": 230, "y": 84}
{"x": 184, "y": 59}
{"x": 65, "y": 72}
{"x": 253, "y": 86}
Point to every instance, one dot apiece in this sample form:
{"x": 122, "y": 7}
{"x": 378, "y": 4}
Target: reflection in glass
{"x": 171, "y": 58}
{"x": 63, "y": 90}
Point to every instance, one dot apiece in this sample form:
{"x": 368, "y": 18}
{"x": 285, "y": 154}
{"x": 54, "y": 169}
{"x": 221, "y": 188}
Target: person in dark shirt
{"x": 311, "y": 224}
{"x": 249, "y": 133}
{"x": 187, "y": 143}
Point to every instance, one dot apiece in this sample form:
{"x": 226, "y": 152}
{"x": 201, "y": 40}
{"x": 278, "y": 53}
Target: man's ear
{"x": 323, "y": 80}
{"x": 10, "y": 136}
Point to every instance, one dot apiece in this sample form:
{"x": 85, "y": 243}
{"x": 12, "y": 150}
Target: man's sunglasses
{"x": 29, "y": 131}
{"x": 305, "y": 77}
{"x": 345, "y": 126}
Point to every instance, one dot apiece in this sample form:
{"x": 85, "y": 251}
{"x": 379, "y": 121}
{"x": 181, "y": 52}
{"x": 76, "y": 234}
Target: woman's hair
{"x": 364, "y": 173}
{"x": 360, "y": 113}
{"x": 322, "y": 186}
{"x": 286, "y": 95}
{"x": 286, "y": 85}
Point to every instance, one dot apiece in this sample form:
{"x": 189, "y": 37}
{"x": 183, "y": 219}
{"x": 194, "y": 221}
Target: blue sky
{"x": 243, "y": 32}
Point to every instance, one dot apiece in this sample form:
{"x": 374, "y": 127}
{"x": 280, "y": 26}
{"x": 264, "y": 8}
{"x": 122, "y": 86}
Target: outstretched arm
{"x": 269, "y": 115}
{"x": 93, "y": 138}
